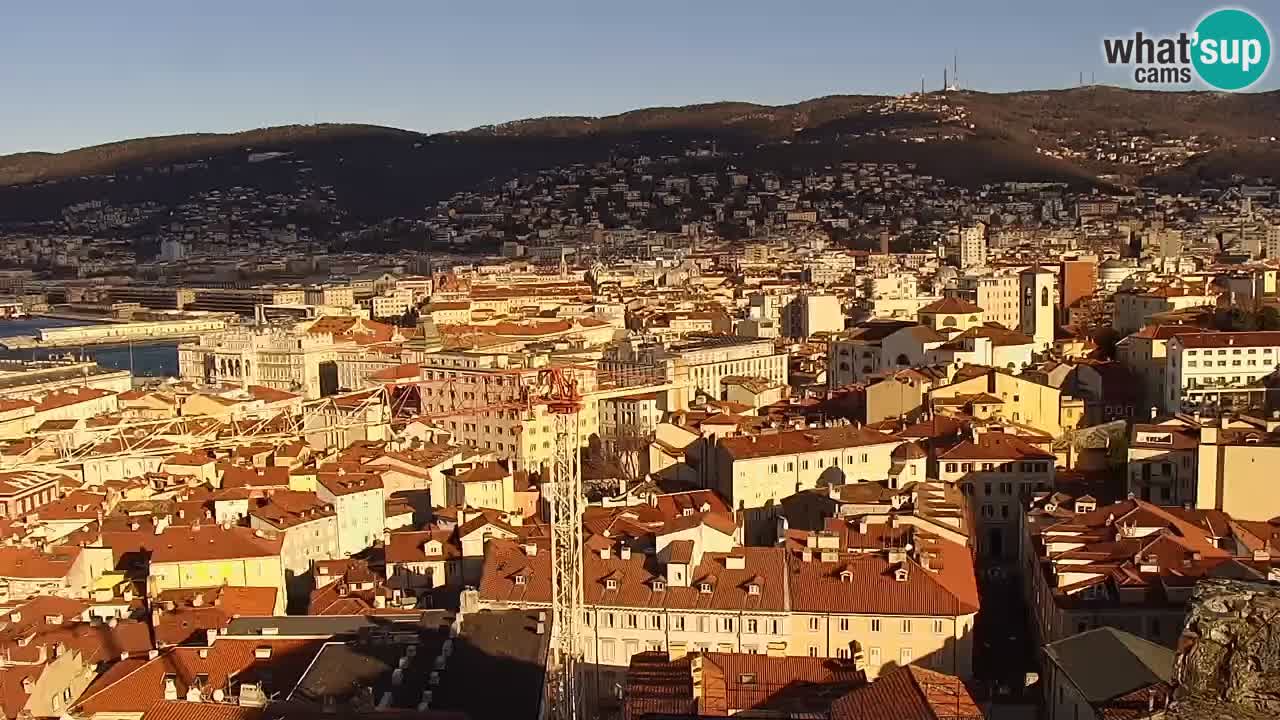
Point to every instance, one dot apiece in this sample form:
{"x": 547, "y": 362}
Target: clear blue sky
{"x": 81, "y": 72}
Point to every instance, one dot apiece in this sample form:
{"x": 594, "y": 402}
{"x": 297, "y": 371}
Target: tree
{"x": 1106, "y": 338}
{"x": 1269, "y": 318}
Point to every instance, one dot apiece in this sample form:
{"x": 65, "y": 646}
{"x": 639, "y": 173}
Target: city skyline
{"x": 154, "y": 71}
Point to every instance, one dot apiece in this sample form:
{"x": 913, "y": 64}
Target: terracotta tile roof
{"x": 213, "y": 542}
{"x": 284, "y": 509}
{"x": 729, "y": 588}
{"x": 31, "y": 563}
{"x": 64, "y": 398}
{"x": 672, "y": 505}
{"x": 411, "y": 547}
{"x": 486, "y": 472}
{"x": 1164, "y": 332}
{"x": 143, "y": 685}
{"x": 950, "y": 306}
{"x": 196, "y": 610}
{"x": 872, "y": 587}
{"x": 909, "y": 693}
{"x": 234, "y": 476}
{"x": 1259, "y": 338}
{"x": 996, "y": 446}
{"x": 270, "y": 395}
{"x": 798, "y": 686}
{"x": 799, "y": 441}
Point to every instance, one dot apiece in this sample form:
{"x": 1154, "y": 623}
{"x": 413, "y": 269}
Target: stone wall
{"x": 1228, "y": 661}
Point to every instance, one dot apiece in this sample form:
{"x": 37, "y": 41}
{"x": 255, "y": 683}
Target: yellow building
{"x": 1021, "y": 401}
{"x": 212, "y": 555}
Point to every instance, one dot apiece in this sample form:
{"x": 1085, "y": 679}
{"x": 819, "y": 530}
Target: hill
{"x": 969, "y": 138}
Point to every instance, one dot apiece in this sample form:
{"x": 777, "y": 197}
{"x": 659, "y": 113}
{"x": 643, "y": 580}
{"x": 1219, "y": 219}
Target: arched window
{"x": 1044, "y": 297}
{"x": 949, "y": 321}
{"x": 903, "y": 359}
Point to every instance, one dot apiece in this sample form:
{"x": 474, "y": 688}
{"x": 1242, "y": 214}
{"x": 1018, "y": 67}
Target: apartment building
{"x": 1018, "y": 399}
{"x": 331, "y": 295}
{"x": 1145, "y": 352}
{"x": 421, "y": 561}
{"x": 489, "y": 397}
{"x": 1163, "y": 460}
{"x": 1130, "y": 565}
{"x": 1210, "y": 369}
{"x": 1135, "y": 309}
{"x": 201, "y": 556}
{"x": 997, "y": 295}
{"x": 485, "y": 485}
{"x": 806, "y": 315}
{"x": 23, "y": 492}
{"x": 755, "y": 472}
{"x": 701, "y": 363}
{"x": 972, "y": 245}
{"x": 998, "y": 472}
{"x": 891, "y": 608}
{"x": 391, "y": 304}
{"x": 357, "y": 498}
{"x": 1235, "y": 460}
{"x": 308, "y": 528}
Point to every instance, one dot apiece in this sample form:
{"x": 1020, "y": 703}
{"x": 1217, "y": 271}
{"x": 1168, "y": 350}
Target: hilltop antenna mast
{"x": 955, "y": 69}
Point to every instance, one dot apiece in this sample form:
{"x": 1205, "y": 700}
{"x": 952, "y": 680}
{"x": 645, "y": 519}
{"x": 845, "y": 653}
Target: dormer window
{"x": 753, "y": 589}
{"x": 846, "y": 576}
{"x": 687, "y": 512}
{"x": 611, "y": 584}
{"x": 520, "y": 580}
{"x": 704, "y": 588}
{"x": 659, "y": 585}
{"x": 900, "y": 574}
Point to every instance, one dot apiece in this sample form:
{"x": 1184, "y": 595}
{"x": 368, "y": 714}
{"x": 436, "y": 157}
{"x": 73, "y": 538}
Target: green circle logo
{"x": 1232, "y": 49}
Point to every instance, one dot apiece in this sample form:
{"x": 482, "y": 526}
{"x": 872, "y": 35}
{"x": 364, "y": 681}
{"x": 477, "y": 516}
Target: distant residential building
{"x": 1221, "y": 370}
{"x": 210, "y": 555}
{"x": 972, "y": 243}
{"x": 807, "y": 315}
{"x": 1079, "y": 280}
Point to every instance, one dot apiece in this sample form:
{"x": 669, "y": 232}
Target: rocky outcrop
{"x": 1228, "y": 661}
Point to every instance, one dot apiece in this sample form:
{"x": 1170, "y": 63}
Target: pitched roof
{"x": 1131, "y": 663}
{"x": 213, "y": 542}
{"x": 800, "y": 441}
{"x": 1258, "y": 338}
{"x": 909, "y": 692}
{"x": 996, "y": 446}
{"x": 950, "y": 306}
{"x": 873, "y": 587}
{"x": 139, "y": 686}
